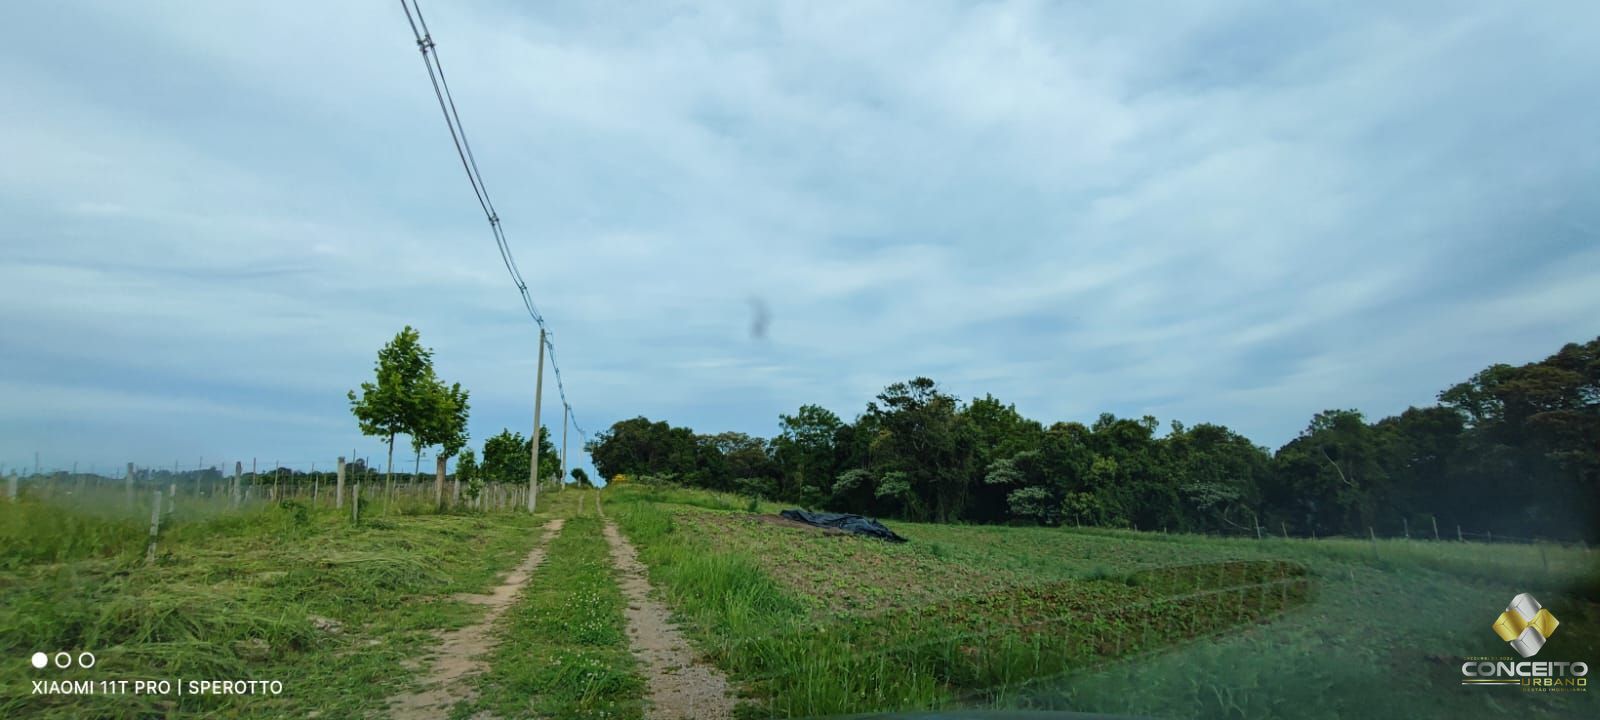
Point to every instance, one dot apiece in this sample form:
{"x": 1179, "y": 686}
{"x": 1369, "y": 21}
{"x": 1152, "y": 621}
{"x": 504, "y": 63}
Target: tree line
{"x": 1513, "y": 450}
{"x": 406, "y": 397}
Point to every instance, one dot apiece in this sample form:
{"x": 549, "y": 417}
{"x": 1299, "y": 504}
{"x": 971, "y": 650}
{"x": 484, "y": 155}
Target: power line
{"x": 469, "y": 163}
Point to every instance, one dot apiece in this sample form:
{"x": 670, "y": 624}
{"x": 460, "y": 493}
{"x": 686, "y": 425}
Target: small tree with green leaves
{"x": 581, "y": 478}
{"x": 399, "y": 401}
{"x": 467, "y": 472}
{"x": 445, "y": 425}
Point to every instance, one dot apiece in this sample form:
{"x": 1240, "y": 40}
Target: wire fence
{"x": 1432, "y": 531}
{"x": 332, "y": 483}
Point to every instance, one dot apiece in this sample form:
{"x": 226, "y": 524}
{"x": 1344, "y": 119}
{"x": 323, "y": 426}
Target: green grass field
{"x": 805, "y": 623}
{"x": 1099, "y": 620}
{"x": 268, "y": 592}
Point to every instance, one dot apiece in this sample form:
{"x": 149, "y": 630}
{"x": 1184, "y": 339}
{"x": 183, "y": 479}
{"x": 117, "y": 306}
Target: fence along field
{"x": 334, "y": 486}
{"x": 1088, "y": 619}
{"x": 961, "y": 616}
{"x": 276, "y": 581}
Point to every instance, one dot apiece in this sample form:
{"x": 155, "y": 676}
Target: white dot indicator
{"x": 40, "y": 660}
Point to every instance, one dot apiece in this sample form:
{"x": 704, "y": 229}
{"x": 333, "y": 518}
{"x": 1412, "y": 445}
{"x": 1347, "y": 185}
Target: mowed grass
{"x": 1071, "y": 619}
{"x": 270, "y": 592}
{"x": 562, "y": 648}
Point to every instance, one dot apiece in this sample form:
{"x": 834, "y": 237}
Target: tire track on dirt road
{"x": 460, "y": 652}
{"x": 680, "y": 687}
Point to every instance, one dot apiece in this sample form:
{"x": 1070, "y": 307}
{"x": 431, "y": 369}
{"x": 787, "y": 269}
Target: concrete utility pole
{"x": 538, "y": 397}
{"x": 561, "y": 482}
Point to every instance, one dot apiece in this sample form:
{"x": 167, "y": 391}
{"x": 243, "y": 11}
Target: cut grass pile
{"x": 563, "y": 651}
{"x": 269, "y": 592}
{"x": 1069, "y": 619}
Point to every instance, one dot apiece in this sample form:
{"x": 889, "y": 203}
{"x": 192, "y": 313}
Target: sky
{"x": 1239, "y": 213}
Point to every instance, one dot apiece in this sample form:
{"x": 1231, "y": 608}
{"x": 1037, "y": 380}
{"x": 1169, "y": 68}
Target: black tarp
{"x": 843, "y": 521}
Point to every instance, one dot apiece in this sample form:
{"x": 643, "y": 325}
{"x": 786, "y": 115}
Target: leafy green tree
{"x": 400, "y": 400}
{"x": 581, "y": 478}
{"x": 1037, "y": 482}
{"x": 918, "y": 453}
{"x": 923, "y": 452}
{"x": 445, "y": 425}
{"x": 805, "y": 454}
{"x": 999, "y": 433}
{"x": 638, "y": 447}
{"x": 1334, "y": 471}
{"x": 467, "y": 472}
{"x": 506, "y": 457}
{"x": 1218, "y": 473}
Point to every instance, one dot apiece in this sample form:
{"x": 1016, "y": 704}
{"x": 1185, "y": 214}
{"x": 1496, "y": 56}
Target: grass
{"x": 269, "y": 592}
{"x": 1099, "y": 620}
{"x": 563, "y": 652}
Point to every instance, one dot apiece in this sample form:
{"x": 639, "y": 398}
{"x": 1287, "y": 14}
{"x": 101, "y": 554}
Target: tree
{"x": 1526, "y": 437}
{"x": 1335, "y": 471}
{"x": 1218, "y": 473}
{"x": 506, "y": 457}
{"x": 805, "y": 454}
{"x": 401, "y": 399}
{"x": 999, "y": 432}
{"x": 581, "y": 478}
{"x": 467, "y": 471}
{"x": 640, "y": 447}
{"x": 1038, "y": 482}
{"x": 445, "y": 425}
{"x": 922, "y": 452}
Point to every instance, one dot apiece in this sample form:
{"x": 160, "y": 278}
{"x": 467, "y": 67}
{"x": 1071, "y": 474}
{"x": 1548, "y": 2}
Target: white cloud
{"x": 1241, "y": 213}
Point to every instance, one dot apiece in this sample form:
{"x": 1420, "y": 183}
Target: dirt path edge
{"x": 460, "y": 652}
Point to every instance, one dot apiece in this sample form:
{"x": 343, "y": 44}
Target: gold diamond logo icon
{"x": 1526, "y": 625}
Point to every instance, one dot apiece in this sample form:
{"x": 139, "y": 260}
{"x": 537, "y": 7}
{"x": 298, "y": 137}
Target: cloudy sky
{"x": 215, "y": 213}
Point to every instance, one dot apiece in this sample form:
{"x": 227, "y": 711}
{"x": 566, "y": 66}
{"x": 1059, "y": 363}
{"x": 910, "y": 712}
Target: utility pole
{"x": 538, "y": 397}
{"x": 561, "y": 482}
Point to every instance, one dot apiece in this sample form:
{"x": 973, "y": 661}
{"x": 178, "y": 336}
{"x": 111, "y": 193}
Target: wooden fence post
{"x": 438, "y": 481}
{"x": 11, "y": 487}
{"x": 1406, "y": 524}
{"x": 1285, "y": 528}
{"x": 355, "y": 504}
{"x": 155, "y": 527}
{"x": 128, "y": 486}
{"x": 1435, "y": 520}
{"x": 1374, "y": 537}
{"x": 1458, "y": 535}
{"x": 338, "y": 488}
